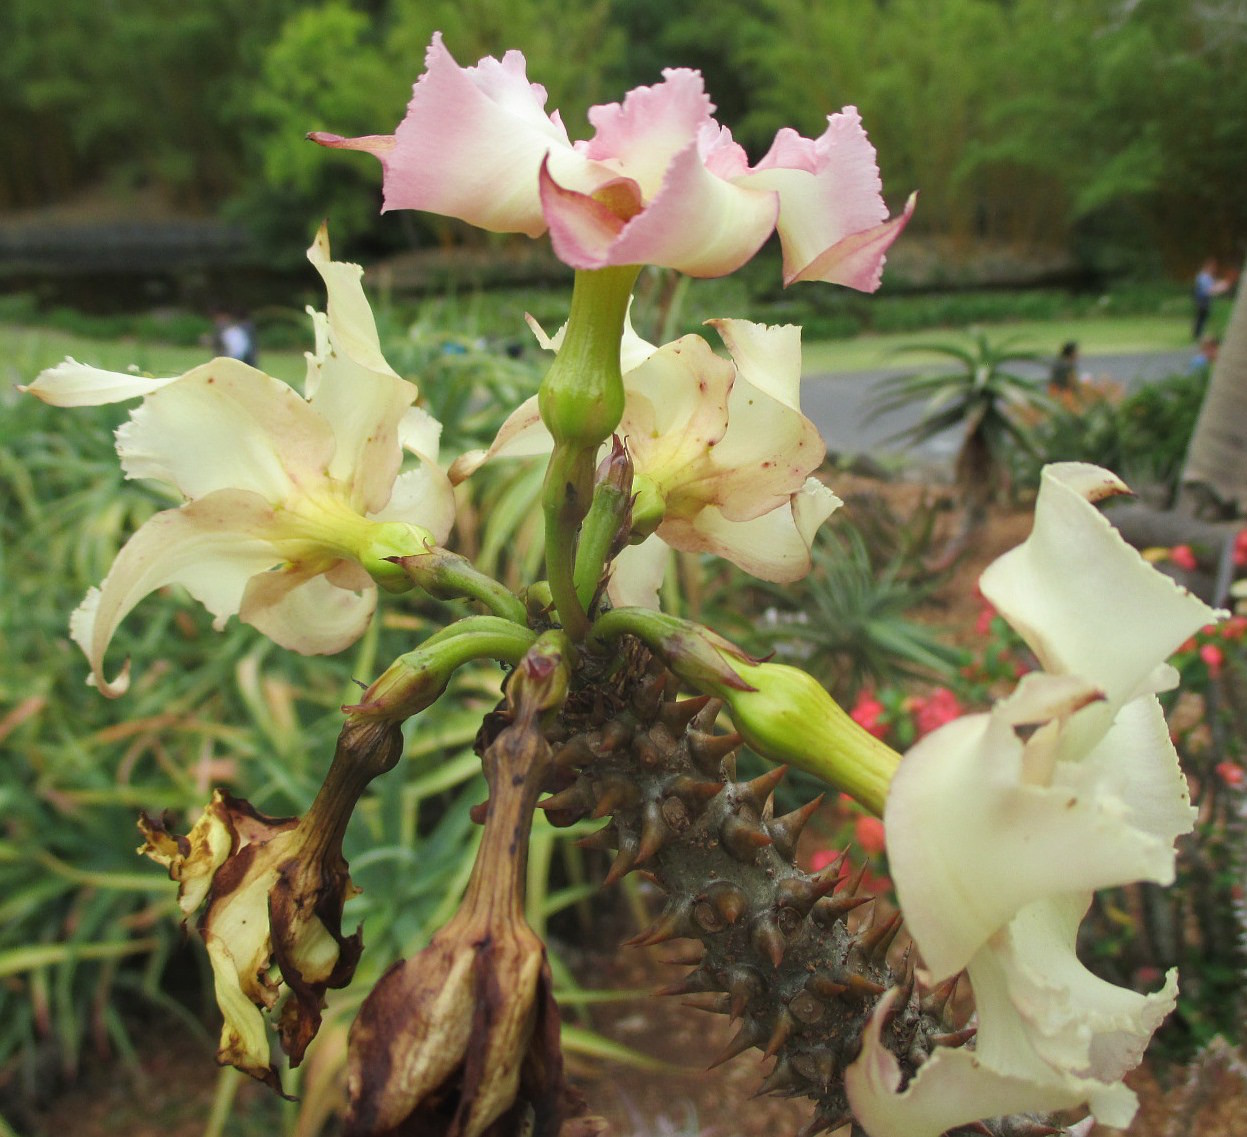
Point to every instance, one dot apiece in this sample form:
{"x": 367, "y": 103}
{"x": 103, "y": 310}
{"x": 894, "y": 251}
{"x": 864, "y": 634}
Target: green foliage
{"x": 1143, "y": 436}
{"x": 849, "y": 622}
{"x": 980, "y": 395}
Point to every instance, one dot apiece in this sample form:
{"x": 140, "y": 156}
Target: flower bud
{"x": 787, "y": 716}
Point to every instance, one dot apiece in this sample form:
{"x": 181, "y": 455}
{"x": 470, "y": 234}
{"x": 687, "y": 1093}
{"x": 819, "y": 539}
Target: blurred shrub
{"x": 1143, "y": 436}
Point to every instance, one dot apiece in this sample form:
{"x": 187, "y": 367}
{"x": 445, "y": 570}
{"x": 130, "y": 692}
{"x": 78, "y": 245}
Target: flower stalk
{"x": 581, "y": 401}
{"x": 448, "y": 576}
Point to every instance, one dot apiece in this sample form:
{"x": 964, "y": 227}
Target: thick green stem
{"x": 581, "y": 401}
{"x": 417, "y": 679}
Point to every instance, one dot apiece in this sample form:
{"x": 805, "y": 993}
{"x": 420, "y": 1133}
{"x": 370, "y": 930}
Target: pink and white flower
{"x": 291, "y": 503}
{"x": 660, "y": 182}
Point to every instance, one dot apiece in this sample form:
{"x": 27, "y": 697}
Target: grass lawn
{"x": 26, "y": 351}
{"x": 1115, "y": 335}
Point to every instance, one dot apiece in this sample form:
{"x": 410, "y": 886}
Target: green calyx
{"x": 582, "y": 398}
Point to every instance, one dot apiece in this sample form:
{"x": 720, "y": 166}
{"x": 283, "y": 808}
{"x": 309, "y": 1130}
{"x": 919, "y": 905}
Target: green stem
{"x": 417, "y": 679}
{"x": 448, "y": 576}
{"x": 581, "y": 401}
{"x": 565, "y": 500}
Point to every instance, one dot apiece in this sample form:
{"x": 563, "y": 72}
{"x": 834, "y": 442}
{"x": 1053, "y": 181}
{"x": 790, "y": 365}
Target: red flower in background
{"x": 934, "y": 710}
{"x": 1231, "y": 773}
{"x": 1240, "y": 548}
{"x": 1183, "y": 557}
{"x": 867, "y": 712}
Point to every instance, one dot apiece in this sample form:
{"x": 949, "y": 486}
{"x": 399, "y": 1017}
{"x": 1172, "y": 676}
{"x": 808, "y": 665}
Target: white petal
{"x": 638, "y": 574}
{"x": 301, "y": 610}
{"x": 1035, "y": 998}
{"x": 522, "y": 435}
{"x": 953, "y": 1087}
{"x": 227, "y": 426}
{"x": 420, "y": 433}
{"x": 212, "y": 547}
{"x": 1084, "y": 600}
{"x": 769, "y": 358}
{"x": 422, "y": 497}
{"x": 775, "y": 546}
{"x": 356, "y": 391}
{"x": 968, "y": 834}
{"x": 74, "y": 384}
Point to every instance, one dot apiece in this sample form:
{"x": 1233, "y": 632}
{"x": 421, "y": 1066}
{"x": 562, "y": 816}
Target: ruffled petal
{"x": 642, "y": 135}
{"x": 211, "y": 547}
{"x": 74, "y": 384}
{"x": 857, "y": 261}
{"x": 355, "y": 390}
{"x": 767, "y": 357}
{"x": 522, "y": 435}
{"x": 697, "y": 223}
{"x": 775, "y": 546}
{"x": 227, "y": 426}
{"x": 829, "y": 192}
{"x": 1035, "y": 998}
{"x": 1074, "y": 590}
{"x": 471, "y": 144}
{"x": 299, "y": 608}
{"x": 957, "y": 1086}
{"x": 420, "y": 433}
{"x": 969, "y": 833}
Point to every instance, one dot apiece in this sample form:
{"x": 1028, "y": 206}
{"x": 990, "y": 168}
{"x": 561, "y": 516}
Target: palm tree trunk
{"x": 1216, "y": 462}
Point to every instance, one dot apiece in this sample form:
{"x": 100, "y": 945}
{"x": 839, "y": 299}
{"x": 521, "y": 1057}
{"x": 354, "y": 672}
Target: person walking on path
{"x": 1207, "y": 285}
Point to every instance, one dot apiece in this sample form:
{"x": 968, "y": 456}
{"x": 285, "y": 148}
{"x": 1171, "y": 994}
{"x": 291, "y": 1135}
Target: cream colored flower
{"x": 998, "y": 835}
{"x": 292, "y": 503}
{"x": 723, "y": 456}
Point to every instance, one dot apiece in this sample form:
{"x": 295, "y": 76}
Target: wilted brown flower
{"x": 272, "y": 891}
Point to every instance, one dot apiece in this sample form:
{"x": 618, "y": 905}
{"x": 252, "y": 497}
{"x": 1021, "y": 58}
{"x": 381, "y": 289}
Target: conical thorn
{"x": 936, "y": 1000}
{"x": 742, "y": 839}
{"x": 708, "y": 751}
{"x": 784, "y": 1026}
{"x": 708, "y": 715}
{"x": 750, "y": 1034}
{"x": 760, "y": 788}
{"x": 615, "y": 735}
{"x": 954, "y": 1037}
{"x": 787, "y": 830}
{"x": 861, "y": 986}
{"x": 623, "y": 863}
{"x": 677, "y": 714}
{"x": 780, "y": 1078}
{"x": 648, "y": 697}
{"x": 876, "y": 939}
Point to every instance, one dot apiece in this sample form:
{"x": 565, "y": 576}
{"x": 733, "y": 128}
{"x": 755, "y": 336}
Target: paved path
{"x": 839, "y": 404}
